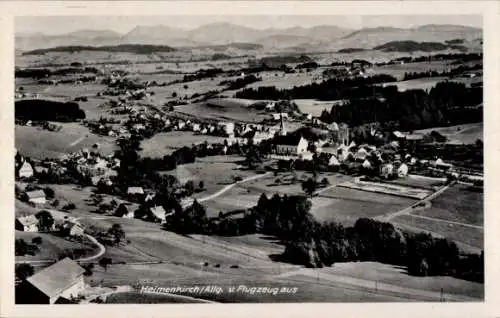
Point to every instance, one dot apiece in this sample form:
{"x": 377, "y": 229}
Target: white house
{"x": 135, "y": 190}
{"x": 333, "y": 161}
{"x": 290, "y": 145}
{"x": 227, "y": 127}
{"x": 367, "y": 164}
{"x": 36, "y": 196}
{"x": 159, "y": 212}
{"x": 196, "y": 127}
{"x": 402, "y": 170}
{"x": 27, "y": 223}
{"x": 26, "y": 170}
{"x": 386, "y": 170}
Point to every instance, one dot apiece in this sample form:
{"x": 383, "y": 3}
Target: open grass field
{"x": 37, "y": 143}
{"x": 144, "y": 298}
{"x": 425, "y": 83}
{"x": 162, "y": 144}
{"x": 416, "y": 182}
{"x": 459, "y": 204}
{"x": 399, "y": 70}
{"x": 314, "y": 107}
{"x": 460, "y": 134}
{"x": 52, "y": 246}
{"x": 389, "y": 189}
{"x": 461, "y": 234}
{"x": 347, "y": 205}
{"x": 235, "y": 113}
{"x": 283, "y": 80}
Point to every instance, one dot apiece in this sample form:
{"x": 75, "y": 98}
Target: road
{"x": 447, "y": 221}
{"x": 190, "y": 201}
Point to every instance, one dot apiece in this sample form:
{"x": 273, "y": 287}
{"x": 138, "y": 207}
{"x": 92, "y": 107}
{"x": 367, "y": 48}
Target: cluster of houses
{"x": 63, "y": 223}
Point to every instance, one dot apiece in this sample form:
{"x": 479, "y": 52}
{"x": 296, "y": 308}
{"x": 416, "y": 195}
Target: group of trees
{"x": 38, "y": 109}
{"x": 446, "y": 104}
{"x": 240, "y": 82}
{"x": 449, "y": 73}
{"x": 45, "y": 72}
{"x": 330, "y": 89}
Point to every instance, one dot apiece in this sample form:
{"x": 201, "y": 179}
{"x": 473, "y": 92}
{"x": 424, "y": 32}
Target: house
{"x": 27, "y": 223}
{"x": 270, "y": 105}
{"x": 135, "y": 191}
{"x": 76, "y": 229}
{"x": 290, "y": 145}
{"x": 398, "y": 135}
{"x": 279, "y": 116}
{"x": 333, "y": 161}
{"x": 402, "y": 170}
{"x": 361, "y": 154}
{"x": 36, "y": 197}
{"x": 26, "y": 170}
{"x": 386, "y": 170}
{"x": 62, "y": 280}
{"x": 367, "y": 164}
{"x": 196, "y": 127}
{"x": 306, "y": 156}
{"x": 159, "y": 212}
{"x": 227, "y": 128}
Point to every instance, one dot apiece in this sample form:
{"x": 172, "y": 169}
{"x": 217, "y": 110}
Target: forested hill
{"x": 412, "y": 46}
{"x": 125, "y": 48}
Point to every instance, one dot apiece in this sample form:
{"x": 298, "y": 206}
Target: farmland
{"x": 425, "y": 83}
{"x": 41, "y": 144}
{"x": 459, "y": 204}
{"x": 163, "y": 144}
{"x": 460, "y": 134}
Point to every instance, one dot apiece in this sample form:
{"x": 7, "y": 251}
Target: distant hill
{"x": 128, "y": 48}
{"x": 351, "y": 50}
{"x": 372, "y": 37}
{"x": 322, "y": 37}
{"x": 412, "y": 46}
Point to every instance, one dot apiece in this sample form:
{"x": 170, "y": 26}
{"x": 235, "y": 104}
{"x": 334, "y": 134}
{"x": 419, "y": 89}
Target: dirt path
{"x": 76, "y": 142}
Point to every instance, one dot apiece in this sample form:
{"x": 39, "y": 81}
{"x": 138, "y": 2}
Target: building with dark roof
{"x": 62, "y": 280}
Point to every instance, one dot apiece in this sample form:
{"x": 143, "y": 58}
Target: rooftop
{"x": 54, "y": 279}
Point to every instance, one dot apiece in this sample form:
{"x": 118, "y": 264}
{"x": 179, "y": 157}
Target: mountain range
{"x": 323, "y": 37}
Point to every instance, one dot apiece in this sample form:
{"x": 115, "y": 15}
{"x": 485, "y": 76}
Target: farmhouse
{"x": 290, "y": 145}
{"x": 27, "y": 223}
{"x": 402, "y": 170}
{"x": 159, "y": 212}
{"x": 386, "y": 170}
{"x": 62, "y": 280}
{"x": 333, "y": 161}
{"x": 26, "y": 170}
{"x": 36, "y": 197}
{"x": 227, "y": 128}
{"x": 135, "y": 191}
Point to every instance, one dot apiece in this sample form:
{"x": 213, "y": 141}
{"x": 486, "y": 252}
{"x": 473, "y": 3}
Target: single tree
{"x": 105, "y": 262}
{"x": 24, "y": 271}
{"x": 117, "y": 232}
{"x": 201, "y": 185}
{"x": 309, "y": 186}
{"x": 37, "y": 240}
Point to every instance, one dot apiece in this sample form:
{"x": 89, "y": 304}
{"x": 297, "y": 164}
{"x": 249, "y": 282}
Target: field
{"x": 399, "y": 70}
{"x": 163, "y": 144}
{"x": 239, "y": 113}
{"x": 425, "y": 83}
{"x": 460, "y": 134}
{"x": 52, "y": 246}
{"x": 470, "y": 239}
{"x": 458, "y": 204}
{"x": 283, "y": 81}
{"x": 347, "y": 205}
{"x": 387, "y": 188}
{"x": 37, "y": 143}
{"x": 313, "y": 107}
{"x": 220, "y": 174}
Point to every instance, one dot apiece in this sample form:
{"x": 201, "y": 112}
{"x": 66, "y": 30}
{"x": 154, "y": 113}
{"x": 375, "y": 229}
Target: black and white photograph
{"x": 220, "y": 159}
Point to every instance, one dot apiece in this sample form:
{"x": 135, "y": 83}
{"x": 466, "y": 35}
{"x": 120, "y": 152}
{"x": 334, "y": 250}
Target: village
{"x": 323, "y": 170}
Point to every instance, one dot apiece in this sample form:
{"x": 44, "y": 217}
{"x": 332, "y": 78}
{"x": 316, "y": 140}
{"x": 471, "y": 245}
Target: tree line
{"x": 446, "y": 104}
{"x": 38, "y": 109}
{"x": 330, "y": 89}
{"x": 315, "y": 244}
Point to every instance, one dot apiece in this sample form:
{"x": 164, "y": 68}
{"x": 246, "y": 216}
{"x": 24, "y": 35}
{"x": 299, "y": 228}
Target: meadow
{"x": 460, "y": 134}
{"x": 162, "y": 144}
{"x": 40, "y": 144}
{"x": 459, "y": 204}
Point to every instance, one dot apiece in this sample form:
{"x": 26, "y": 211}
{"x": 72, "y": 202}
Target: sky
{"x": 123, "y": 24}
